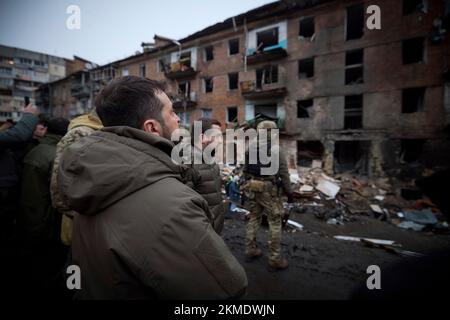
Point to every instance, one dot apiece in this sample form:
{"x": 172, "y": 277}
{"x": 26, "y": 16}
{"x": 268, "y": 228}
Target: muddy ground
{"x": 321, "y": 267}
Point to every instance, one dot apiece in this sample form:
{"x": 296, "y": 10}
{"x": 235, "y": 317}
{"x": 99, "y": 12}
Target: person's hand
{"x": 6, "y": 126}
{"x": 31, "y": 108}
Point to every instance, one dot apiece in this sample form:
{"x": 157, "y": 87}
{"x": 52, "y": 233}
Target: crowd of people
{"x": 103, "y": 193}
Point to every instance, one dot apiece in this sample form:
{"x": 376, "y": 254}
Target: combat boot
{"x": 279, "y": 265}
{"x": 253, "y": 253}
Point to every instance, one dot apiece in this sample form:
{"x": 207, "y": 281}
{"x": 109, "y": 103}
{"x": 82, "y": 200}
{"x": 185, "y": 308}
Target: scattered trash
{"x": 295, "y": 178}
{"x": 357, "y": 239}
{"x": 316, "y": 164}
{"x": 391, "y": 249}
{"x": 334, "y": 221}
{"x": 423, "y": 217}
{"x": 306, "y": 189}
{"x": 411, "y": 225}
{"x": 295, "y": 224}
{"x": 327, "y": 187}
{"x": 400, "y": 215}
{"x": 379, "y": 198}
{"x": 376, "y": 208}
{"x": 241, "y": 210}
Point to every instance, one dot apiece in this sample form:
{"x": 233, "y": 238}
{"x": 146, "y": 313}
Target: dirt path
{"x": 322, "y": 267}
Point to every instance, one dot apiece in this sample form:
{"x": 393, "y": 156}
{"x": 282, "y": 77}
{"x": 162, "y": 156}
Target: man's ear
{"x": 152, "y": 126}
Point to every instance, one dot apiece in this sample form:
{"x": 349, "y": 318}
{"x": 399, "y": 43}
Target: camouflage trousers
{"x": 268, "y": 203}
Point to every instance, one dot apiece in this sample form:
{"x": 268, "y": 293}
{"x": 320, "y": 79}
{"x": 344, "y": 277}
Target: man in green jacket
{"x": 140, "y": 233}
{"x": 38, "y": 222}
{"x": 205, "y": 177}
{"x": 12, "y": 141}
{"x": 36, "y": 214}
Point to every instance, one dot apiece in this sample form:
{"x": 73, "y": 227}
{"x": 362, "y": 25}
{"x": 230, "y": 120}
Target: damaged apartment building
{"x": 351, "y": 98}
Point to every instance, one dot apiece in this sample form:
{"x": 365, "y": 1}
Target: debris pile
{"x": 340, "y": 199}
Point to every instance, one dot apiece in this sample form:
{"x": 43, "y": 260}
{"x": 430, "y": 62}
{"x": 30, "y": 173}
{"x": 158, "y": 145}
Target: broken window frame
{"x": 306, "y": 64}
{"x": 267, "y": 47}
{"x": 267, "y": 75}
{"x": 419, "y": 103}
{"x": 353, "y": 110}
{"x": 208, "y": 88}
{"x": 208, "y": 53}
{"x": 308, "y": 151}
{"x": 230, "y": 45}
{"x": 354, "y": 63}
{"x": 187, "y": 89}
{"x": 301, "y": 27}
{"x": 266, "y": 105}
{"x": 406, "y": 50}
{"x": 230, "y": 75}
{"x": 354, "y": 17}
{"x": 142, "y": 70}
{"x": 302, "y": 108}
{"x": 235, "y": 119}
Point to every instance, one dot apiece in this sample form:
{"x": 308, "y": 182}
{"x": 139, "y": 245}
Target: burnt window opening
{"x": 413, "y": 50}
{"x": 410, "y": 6}
{"x": 353, "y": 112}
{"x": 232, "y": 114}
{"x": 355, "y": 22}
{"x": 306, "y": 68}
{"x": 185, "y": 59}
{"x": 233, "y": 79}
{"x": 266, "y": 75}
{"x": 208, "y": 84}
{"x": 268, "y": 110}
{"x": 302, "y": 108}
{"x": 209, "y": 53}
{"x": 142, "y": 70}
{"x": 267, "y": 38}
{"x": 354, "y": 57}
{"x": 233, "y": 46}
{"x": 351, "y": 156}
{"x": 307, "y": 151}
{"x": 184, "y": 89}
{"x": 413, "y": 100}
{"x": 411, "y": 149}
{"x": 354, "y": 75}
{"x": 306, "y": 27}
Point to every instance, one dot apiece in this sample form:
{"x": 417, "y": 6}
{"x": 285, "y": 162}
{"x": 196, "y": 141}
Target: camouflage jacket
{"x": 79, "y": 127}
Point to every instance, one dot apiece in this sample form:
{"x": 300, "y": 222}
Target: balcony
{"x": 184, "y": 101}
{"x": 80, "y": 91}
{"x": 253, "y": 90}
{"x": 181, "y": 73}
{"x": 266, "y": 55}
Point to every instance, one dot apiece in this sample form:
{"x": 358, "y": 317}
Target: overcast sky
{"x": 110, "y": 30}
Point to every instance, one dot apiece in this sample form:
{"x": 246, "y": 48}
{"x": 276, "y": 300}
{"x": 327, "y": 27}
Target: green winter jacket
{"x": 140, "y": 233}
{"x": 36, "y": 215}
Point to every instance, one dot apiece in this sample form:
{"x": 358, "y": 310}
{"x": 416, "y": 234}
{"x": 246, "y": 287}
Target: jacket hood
{"x": 109, "y": 165}
{"x": 90, "y": 120}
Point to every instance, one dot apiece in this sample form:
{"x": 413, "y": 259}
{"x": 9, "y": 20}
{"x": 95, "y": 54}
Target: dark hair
{"x": 207, "y": 124}
{"x": 57, "y": 126}
{"x": 129, "y": 101}
{"x": 43, "y": 119}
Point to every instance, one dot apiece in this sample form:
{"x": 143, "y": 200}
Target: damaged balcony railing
{"x": 262, "y": 89}
{"x": 184, "y": 100}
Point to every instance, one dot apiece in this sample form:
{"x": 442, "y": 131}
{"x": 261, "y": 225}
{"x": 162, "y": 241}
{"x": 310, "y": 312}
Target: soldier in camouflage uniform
{"x": 264, "y": 194}
{"x": 79, "y": 127}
